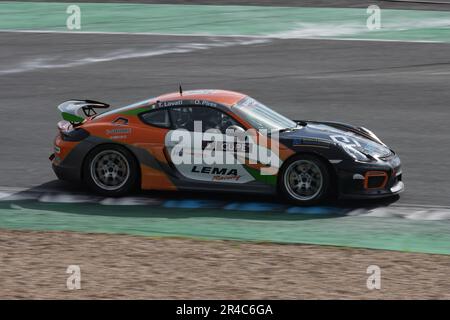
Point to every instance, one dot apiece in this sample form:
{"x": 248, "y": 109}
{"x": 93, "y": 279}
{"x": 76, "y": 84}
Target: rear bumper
{"x": 64, "y": 171}
{"x": 67, "y": 159}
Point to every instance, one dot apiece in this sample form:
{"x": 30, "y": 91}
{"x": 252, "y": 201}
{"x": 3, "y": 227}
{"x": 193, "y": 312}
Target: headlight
{"x": 354, "y": 153}
{"x": 360, "y": 148}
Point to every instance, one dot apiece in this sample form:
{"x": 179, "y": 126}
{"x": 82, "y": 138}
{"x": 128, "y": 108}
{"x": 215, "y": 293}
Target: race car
{"x": 218, "y": 140}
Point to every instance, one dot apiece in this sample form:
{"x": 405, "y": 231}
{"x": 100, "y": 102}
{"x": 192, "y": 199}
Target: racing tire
{"x": 304, "y": 180}
{"x": 111, "y": 170}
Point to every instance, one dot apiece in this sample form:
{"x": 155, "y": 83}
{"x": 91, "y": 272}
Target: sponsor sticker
{"x": 118, "y": 131}
{"x": 118, "y": 137}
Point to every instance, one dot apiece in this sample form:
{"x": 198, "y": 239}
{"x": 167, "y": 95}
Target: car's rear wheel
{"x": 305, "y": 180}
{"x": 111, "y": 170}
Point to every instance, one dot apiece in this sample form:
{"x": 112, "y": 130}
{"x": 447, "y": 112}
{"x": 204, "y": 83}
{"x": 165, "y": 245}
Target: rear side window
{"x": 158, "y": 118}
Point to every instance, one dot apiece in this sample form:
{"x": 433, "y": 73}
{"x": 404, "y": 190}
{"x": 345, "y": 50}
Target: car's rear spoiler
{"x": 75, "y": 111}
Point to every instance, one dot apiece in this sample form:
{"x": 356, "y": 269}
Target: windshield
{"x": 260, "y": 116}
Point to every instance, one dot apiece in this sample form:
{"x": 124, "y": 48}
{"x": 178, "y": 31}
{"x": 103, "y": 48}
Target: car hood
{"x": 315, "y": 132}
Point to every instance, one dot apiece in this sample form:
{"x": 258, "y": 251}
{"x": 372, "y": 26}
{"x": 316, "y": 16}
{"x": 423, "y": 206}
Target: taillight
{"x": 71, "y": 132}
{"x": 77, "y": 134}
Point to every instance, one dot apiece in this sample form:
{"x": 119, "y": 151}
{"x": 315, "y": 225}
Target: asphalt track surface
{"x": 399, "y": 90}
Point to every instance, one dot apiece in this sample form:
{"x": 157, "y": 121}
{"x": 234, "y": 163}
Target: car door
{"x": 197, "y": 146}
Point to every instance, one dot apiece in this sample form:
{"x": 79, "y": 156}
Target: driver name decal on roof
{"x": 170, "y": 103}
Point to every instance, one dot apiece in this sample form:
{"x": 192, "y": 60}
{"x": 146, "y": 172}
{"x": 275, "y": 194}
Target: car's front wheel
{"x": 110, "y": 170}
{"x": 305, "y": 180}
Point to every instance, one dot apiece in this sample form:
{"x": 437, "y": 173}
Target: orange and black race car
{"x": 219, "y": 140}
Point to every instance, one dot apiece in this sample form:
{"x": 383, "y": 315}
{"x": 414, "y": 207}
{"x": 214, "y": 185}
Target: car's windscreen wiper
{"x": 288, "y": 129}
{"x": 299, "y": 123}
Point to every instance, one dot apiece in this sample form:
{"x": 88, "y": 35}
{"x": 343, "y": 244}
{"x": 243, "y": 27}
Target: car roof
{"x": 223, "y": 97}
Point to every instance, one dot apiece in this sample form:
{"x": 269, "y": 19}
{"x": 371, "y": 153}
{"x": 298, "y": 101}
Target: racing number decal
{"x": 345, "y": 140}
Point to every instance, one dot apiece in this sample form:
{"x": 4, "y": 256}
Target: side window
{"x": 210, "y": 118}
{"x": 158, "y": 118}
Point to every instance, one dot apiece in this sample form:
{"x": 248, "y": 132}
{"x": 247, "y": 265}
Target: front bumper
{"x": 398, "y": 188}
{"x": 379, "y": 179}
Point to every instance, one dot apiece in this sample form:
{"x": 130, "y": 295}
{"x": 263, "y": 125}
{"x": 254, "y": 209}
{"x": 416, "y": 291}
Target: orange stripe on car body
{"x": 153, "y": 179}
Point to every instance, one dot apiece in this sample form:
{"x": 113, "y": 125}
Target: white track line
{"x": 269, "y": 37}
{"x": 39, "y": 63}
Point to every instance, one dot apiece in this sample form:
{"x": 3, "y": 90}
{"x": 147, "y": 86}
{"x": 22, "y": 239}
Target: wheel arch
{"x": 330, "y": 168}
{"x": 139, "y": 173}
